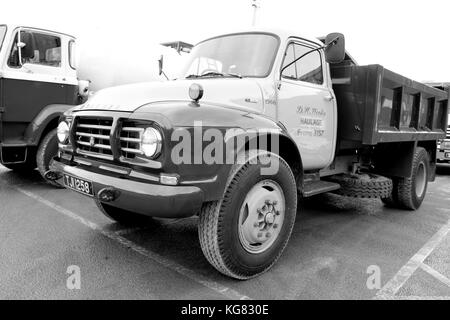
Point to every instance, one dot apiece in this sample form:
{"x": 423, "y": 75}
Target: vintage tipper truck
{"x": 322, "y": 124}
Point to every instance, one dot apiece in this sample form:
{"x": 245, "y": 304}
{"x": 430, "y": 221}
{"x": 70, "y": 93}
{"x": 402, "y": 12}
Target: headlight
{"x": 445, "y": 145}
{"x": 63, "y": 132}
{"x": 151, "y": 142}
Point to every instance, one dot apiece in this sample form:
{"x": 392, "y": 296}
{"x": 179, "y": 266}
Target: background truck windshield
{"x": 247, "y": 55}
{"x": 2, "y": 34}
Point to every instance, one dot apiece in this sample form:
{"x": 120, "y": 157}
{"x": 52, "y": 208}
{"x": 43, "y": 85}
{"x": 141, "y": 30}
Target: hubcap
{"x": 421, "y": 180}
{"x": 261, "y": 216}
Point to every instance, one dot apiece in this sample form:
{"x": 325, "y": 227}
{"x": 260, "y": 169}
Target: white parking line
{"x": 412, "y": 298}
{"x": 225, "y": 291}
{"x": 395, "y": 284}
{"x": 124, "y": 232}
{"x": 436, "y": 274}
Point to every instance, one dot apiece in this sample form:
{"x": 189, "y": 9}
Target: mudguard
{"x": 38, "y": 126}
{"x": 233, "y": 123}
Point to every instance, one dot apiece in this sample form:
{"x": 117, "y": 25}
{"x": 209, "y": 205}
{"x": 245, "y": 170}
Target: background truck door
{"x": 39, "y": 81}
{"x": 306, "y": 105}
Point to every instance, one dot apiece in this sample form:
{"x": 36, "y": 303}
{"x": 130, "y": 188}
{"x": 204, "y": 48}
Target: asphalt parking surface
{"x": 335, "y": 240}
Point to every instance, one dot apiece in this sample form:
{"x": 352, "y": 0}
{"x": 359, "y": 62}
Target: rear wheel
{"x": 47, "y": 150}
{"x": 121, "y": 216}
{"x": 409, "y": 193}
{"x": 245, "y": 233}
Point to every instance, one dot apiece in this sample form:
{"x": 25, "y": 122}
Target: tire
{"x": 223, "y": 237}
{"x": 363, "y": 186}
{"x": 410, "y": 192}
{"x": 46, "y": 151}
{"x": 121, "y": 216}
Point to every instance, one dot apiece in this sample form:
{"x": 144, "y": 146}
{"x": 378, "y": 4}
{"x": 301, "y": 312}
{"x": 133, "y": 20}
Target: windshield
{"x": 2, "y": 34}
{"x": 243, "y": 55}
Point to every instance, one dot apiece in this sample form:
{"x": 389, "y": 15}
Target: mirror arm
{"x": 290, "y": 64}
{"x": 162, "y": 72}
{"x": 19, "y": 49}
{"x": 332, "y": 43}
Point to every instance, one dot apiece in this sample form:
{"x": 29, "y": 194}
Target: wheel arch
{"x": 286, "y": 149}
{"x": 44, "y": 122}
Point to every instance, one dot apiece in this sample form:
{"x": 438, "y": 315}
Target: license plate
{"x": 78, "y": 185}
{"x": 447, "y": 155}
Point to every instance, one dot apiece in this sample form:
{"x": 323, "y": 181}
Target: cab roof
{"x": 15, "y": 26}
{"x": 283, "y": 34}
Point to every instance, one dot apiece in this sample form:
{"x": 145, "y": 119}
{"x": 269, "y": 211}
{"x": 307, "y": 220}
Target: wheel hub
{"x": 261, "y": 216}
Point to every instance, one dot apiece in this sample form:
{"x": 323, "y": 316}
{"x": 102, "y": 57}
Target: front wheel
{"x": 245, "y": 233}
{"x": 47, "y": 150}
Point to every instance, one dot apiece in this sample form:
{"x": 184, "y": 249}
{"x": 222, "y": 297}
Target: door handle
{"x": 328, "y": 97}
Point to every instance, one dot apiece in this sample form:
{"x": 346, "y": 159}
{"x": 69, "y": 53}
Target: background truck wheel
{"x": 245, "y": 233}
{"x": 121, "y": 216}
{"x": 409, "y": 193}
{"x": 364, "y": 185}
{"x": 48, "y": 148}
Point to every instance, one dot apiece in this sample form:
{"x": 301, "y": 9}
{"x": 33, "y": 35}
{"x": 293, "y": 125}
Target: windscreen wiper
{"x": 214, "y": 73}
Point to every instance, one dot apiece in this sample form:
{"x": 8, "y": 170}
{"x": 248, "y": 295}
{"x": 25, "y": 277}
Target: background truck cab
{"x": 39, "y": 72}
{"x": 37, "y": 81}
{"x": 443, "y": 152}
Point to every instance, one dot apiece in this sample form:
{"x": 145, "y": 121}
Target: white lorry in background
{"x": 443, "y": 150}
{"x": 39, "y": 81}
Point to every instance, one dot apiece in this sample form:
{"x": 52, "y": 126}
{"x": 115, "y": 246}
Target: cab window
{"x": 307, "y": 69}
{"x": 39, "y": 48}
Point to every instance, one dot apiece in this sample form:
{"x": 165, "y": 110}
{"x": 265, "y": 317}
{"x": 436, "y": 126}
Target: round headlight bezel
{"x": 151, "y": 142}
{"x": 445, "y": 145}
{"x": 62, "y": 132}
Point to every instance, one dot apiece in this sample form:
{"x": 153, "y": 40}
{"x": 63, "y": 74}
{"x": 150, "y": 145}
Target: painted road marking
{"x": 412, "y": 298}
{"x": 395, "y": 284}
{"x": 436, "y": 274}
{"x": 124, "y": 232}
{"x": 225, "y": 291}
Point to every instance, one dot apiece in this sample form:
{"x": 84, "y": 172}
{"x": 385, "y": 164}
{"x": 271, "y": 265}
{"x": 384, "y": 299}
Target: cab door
{"x": 307, "y": 106}
{"x": 31, "y": 83}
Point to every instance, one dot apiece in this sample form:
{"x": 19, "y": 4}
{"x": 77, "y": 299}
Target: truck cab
{"x": 295, "y": 115}
{"x": 38, "y": 82}
{"x": 443, "y": 150}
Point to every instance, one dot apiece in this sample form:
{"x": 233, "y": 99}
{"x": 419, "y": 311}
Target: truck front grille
{"x": 93, "y": 137}
{"x": 130, "y": 140}
{"x": 448, "y": 132}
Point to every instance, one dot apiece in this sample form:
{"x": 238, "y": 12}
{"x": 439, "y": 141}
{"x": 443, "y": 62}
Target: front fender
{"x": 233, "y": 123}
{"x": 49, "y": 115}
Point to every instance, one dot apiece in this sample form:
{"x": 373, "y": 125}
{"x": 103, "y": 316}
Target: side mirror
{"x": 26, "y": 45}
{"x": 161, "y": 64}
{"x": 335, "y": 48}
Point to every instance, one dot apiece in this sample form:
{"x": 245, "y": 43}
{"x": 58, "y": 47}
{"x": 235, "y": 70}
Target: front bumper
{"x": 150, "y": 199}
{"x": 443, "y": 156}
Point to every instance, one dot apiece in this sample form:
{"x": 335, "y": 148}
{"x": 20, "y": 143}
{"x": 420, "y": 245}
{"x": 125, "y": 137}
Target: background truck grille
{"x": 130, "y": 140}
{"x": 93, "y": 137}
{"x": 448, "y": 132}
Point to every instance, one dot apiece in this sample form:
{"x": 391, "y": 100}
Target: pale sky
{"x": 404, "y": 36}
